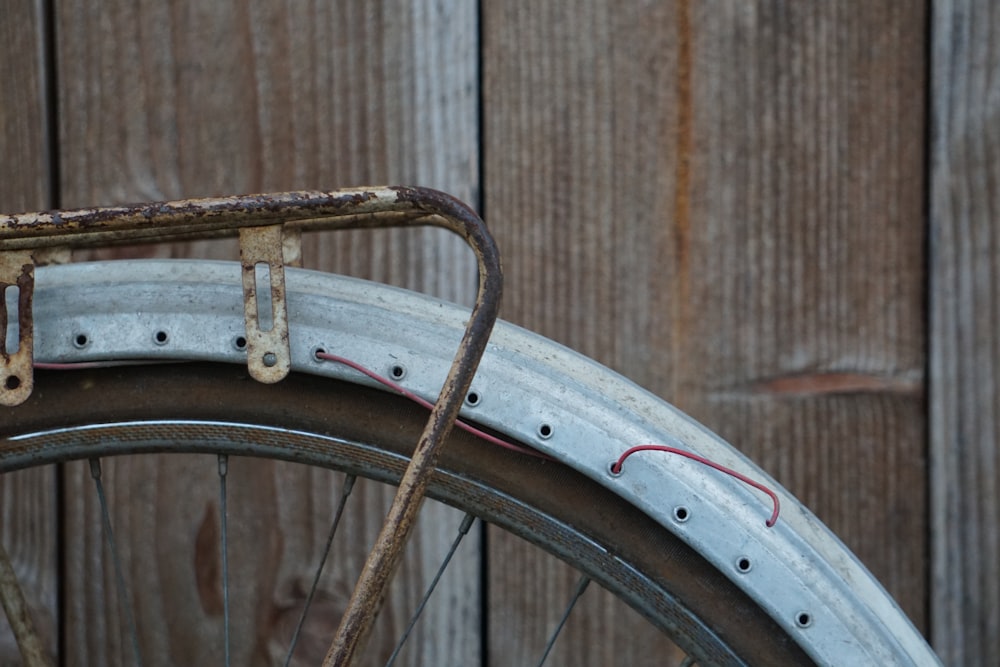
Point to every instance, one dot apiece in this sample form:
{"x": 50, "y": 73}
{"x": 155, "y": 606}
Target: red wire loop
{"x": 492, "y": 439}
{"x": 616, "y": 468}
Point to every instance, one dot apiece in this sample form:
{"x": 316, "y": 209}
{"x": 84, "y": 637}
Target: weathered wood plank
{"x": 27, "y": 498}
{"x": 278, "y": 517}
{"x": 724, "y": 202}
{"x": 965, "y": 318}
{"x": 191, "y": 99}
{"x": 808, "y": 187}
{"x": 579, "y": 109}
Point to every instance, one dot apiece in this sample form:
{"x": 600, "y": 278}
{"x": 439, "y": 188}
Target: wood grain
{"x": 809, "y": 188}
{"x": 965, "y": 352}
{"x": 177, "y": 99}
{"x": 28, "y": 519}
{"x": 278, "y": 520}
{"x": 580, "y": 111}
{"x": 724, "y": 202}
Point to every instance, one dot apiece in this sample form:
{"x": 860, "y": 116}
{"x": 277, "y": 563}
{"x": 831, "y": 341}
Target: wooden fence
{"x": 781, "y": 216}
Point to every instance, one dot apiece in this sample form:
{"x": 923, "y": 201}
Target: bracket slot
{"x": 17, "y": 274}
{"x": 268, "y": 353}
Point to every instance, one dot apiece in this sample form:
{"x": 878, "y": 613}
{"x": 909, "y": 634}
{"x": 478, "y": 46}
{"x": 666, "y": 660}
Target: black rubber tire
{"x": 369, "y": 432}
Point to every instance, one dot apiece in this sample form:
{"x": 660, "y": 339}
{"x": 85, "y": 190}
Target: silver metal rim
{"x": 538, "y": 392}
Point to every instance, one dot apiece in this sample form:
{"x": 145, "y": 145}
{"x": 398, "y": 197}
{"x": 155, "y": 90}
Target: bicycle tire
{"x": 805, "y": 594}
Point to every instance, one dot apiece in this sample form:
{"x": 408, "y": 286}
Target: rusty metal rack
{"x": 269, "y": 228}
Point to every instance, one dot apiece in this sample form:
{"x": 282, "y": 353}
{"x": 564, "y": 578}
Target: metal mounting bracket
{"x": 17, "y": 282}
{"x": 268, "y": 353}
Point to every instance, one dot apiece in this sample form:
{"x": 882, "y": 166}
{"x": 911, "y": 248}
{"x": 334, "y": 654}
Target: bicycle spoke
{"x": 687, "y": 662}
{"x": 463, "y": 530}
{"x": 348, "y": 487}
{"x": 223, "y": 471}
{"x": 581, "y": 586}
{"x": 95, "y": 473}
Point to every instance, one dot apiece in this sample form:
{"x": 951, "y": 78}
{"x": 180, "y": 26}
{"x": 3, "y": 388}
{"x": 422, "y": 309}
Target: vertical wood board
{"x": 28, "y": 520}
{"x": 182, "y": 99}
{"x": 798, "y": 316}
{"x": 579, "y": 109}
{"x": 965, "y": 348}
{"x": 724, "y": 202}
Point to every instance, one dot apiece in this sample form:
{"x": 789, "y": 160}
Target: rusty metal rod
{"x": 339, "y": 209}
{"x": 223, "y": 216}
{"x": 385, "y": 555}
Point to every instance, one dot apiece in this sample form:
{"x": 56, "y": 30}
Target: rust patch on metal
{"x": 52, "y": 255}
{"x": 259, "y": 221}
{"x": 17, "y": 270}
{"x": 164, "y": 221}
{"x": 269, "y": 358}
{"x": 369, "y": 592}
{"x": 291, "y": 247}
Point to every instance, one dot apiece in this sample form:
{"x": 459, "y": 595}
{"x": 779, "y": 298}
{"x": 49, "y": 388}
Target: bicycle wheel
{"x": 683, "y": 544}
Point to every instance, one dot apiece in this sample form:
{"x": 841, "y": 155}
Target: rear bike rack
{"x": 269, "y": 229}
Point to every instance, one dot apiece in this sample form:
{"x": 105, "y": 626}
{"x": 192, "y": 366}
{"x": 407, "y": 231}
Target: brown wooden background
{"x": 779, "y": 215}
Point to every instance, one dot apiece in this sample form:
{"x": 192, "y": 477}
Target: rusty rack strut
{"x": 269, "y": 227}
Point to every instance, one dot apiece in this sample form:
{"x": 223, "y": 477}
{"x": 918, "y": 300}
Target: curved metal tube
{"x": 338, "y": 209}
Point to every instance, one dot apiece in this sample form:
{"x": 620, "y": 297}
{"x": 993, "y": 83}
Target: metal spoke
{"x": 581, "y": 586}
{"x": 463, "y": 530}
{"x": 224, "y": 547}
{"x": 95, "y": 472}
{"x": 348, "y": 487}
{"x": 687, "y": 662}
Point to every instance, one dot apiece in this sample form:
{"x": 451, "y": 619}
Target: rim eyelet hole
{"x": 743, "y": 565}
{"x": 681, "y": 514}
{"x": 397, "y": 372}
{"x": 473, "y": 399}
{"x": 545, "y": 431}
{"x": 240, "y": 343}
{"x": 161, "y": 337}
{"x": 803, "y": 619}
{"x": 81, "y": 340}
{"x": 611, "y": 469}
{"x": 317, "y": 351}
